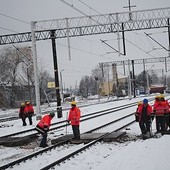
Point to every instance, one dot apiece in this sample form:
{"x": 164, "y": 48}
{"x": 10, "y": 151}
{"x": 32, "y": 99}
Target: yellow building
{"x": 107, "y": 88}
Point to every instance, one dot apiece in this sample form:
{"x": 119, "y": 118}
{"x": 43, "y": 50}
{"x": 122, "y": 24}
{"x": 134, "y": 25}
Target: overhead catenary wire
{"x": 72, "y": 6}
{"x": 6, "y": 29}
{"x": 153, "y": 48}
{"x": 22, "y": 54}
{"x": 126, "y": 39}
{"x": 156, "y": 41}
{"x": 57, "y": 43}
{"x": 86, "y": 14}
{"x": 90, "y": 7}
{"x": 80, "y": 50}
{"x": 79, "y": 67}
{"x": 14, "y": 18}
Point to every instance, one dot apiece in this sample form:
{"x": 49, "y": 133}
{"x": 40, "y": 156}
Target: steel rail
{"x": 93, "y": 115}
{"x": 83, "y": 148}
{"x": 54, "y": 110}
{"x": 86, "y": 117}
{"x": 23, "y": 159}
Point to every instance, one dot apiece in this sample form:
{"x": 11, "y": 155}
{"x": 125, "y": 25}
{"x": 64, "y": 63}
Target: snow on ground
{"x": 151, "y": 154}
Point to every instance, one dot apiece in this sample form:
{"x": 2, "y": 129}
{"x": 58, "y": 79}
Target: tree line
{"x": 17, "y": 79}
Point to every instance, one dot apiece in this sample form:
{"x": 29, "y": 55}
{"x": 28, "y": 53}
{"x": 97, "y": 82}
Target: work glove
{"x": 152, "y": 116}
{"x": 46, "y": 128}
{"x": 136, "y": 118}
{"x": 137, "y": 113}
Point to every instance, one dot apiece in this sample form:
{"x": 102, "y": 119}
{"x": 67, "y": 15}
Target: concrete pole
{"x": 129, "y": 82}
{"x": 37, "y": 89}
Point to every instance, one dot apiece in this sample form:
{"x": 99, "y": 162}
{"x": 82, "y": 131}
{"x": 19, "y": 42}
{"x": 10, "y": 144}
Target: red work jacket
{"x": 45, "y": 121}
{"x": 29, "y": 109}
{"x": 149, "y": 110}
{"x": 160, "y": 108}
{"x": 167, "y": 107}
{"x": 74, "y": 116}
{"x": 21, "y": 112}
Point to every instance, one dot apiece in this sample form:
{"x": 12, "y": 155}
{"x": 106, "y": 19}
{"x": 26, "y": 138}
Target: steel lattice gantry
{"x": 96, "y": 24}
{"x": 137, "y": 61}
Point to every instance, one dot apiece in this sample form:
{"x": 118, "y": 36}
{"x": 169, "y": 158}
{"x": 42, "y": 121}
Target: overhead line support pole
{"x": 129, "y": 82}
{"x": 134, "y": 82}
{"x": 169, "y": 37}
{"x": 59, "y": 108}
{"x": 37, "y": 88}
{"x": 123, "y": 37}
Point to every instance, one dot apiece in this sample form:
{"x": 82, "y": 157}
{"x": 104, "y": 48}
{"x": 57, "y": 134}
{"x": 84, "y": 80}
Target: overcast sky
{"x": 86, "y": 52}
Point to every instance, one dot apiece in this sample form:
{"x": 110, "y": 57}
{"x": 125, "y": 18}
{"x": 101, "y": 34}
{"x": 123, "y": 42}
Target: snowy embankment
{"x": 151, "y": 154}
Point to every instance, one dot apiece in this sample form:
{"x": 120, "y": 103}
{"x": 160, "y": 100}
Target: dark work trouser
{"x": 167, "y": 121}
{"x": 43, "y": 132}
{"x": 23, "y": 121}
{"x": 76, "y": 131}
{"x": 30, "y": 118}
{"x": 160, "y": 123}
{"x": 144, "y": 126}
{"x": 43, "y": 142}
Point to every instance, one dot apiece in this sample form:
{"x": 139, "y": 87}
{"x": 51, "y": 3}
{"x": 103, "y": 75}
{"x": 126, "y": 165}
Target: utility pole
{"x": 59, "y": 108}
{"x": 166, "y": 70}
{"x": 129, "y": 7}
{"x": 108, "y": 86}
{"x": 37, "y": 88}
{"x": 28, "y": 77}
{"x": 129, "y": 82}
{"x": 97, "y": 87}
{"x": 134, "y": 82}
{"x": 168, "y": 51}
{"x": 169, "y": 38}
{"x": 147, "y": 78}
{"x": 61, "y": 82}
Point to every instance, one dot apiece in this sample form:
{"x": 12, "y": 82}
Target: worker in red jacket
{"x": 22, "y": 113}
{"x": 160, "y": 108}
{"x": 136, "y": 113}
{"x": 167, "y": 111}
{"x": 145, "y": 111}
{"x": 74, "y": 118}
{"x": 29, "y": 111}
{"x": 43, "y": 127}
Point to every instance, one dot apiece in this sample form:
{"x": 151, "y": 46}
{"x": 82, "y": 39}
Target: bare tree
{"x": 44, "y": 78}
{"x": 12, "y": 61}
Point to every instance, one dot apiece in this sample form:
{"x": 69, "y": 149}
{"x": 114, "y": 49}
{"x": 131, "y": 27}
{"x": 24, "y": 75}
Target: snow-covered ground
{"x": 151, "y": 154}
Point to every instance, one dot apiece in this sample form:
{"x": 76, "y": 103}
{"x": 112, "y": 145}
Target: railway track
{"x": 84, "y": 118}
{"x": 64, "y": 123}
{"x": 83, "y": 148}
{"x": 75, "y": 149}
{"x": 11, "y": 118}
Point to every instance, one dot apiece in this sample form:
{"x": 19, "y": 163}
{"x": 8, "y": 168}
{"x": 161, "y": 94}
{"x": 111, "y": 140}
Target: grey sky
{"x": 86, "y": 52}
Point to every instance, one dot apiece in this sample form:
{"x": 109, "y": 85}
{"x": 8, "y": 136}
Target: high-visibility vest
{"x": 74, "y": 116}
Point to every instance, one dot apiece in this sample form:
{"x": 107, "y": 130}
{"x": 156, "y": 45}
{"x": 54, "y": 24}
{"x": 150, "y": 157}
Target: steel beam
{"x": 96, "y": 24}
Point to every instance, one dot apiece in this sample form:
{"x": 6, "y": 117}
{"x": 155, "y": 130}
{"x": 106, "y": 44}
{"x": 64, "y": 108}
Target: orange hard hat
{"x": 161, "y": 96}
{"x": 73, "y": 103}
{"x": 27, "y": 102}
{"x": 139, "y": 103}
{"x": 157, "y": 97}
